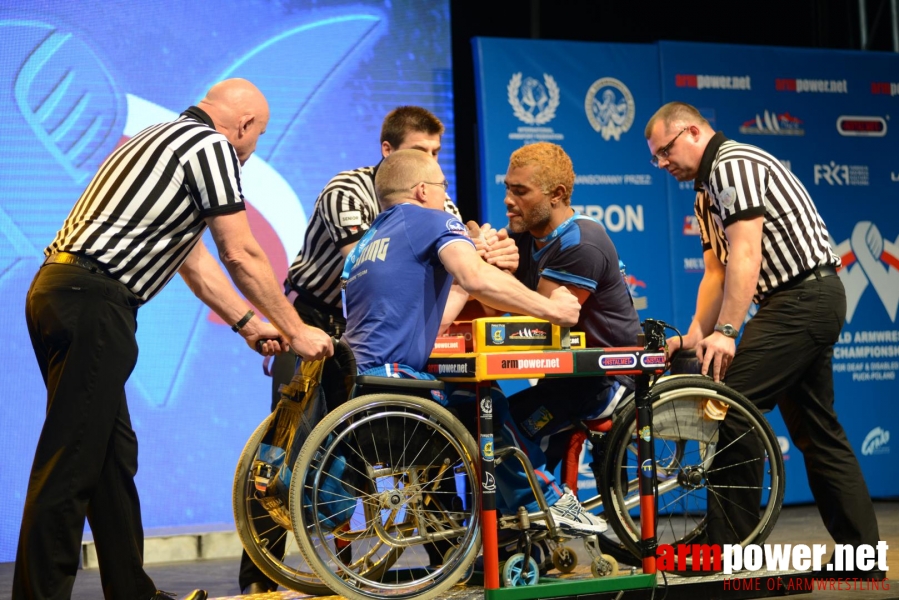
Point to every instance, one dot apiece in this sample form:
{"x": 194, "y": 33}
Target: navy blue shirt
{"x": 582, "y": 254}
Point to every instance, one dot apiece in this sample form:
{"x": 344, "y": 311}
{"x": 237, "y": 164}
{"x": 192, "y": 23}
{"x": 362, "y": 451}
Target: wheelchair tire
{"x": 259, "y": 534}
{"x": 399, "y": 470}
{"x": 685, "y": 441}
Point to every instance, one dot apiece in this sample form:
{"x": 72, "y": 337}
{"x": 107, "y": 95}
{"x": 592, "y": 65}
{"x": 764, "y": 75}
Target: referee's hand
{"x": 312, "y": 343}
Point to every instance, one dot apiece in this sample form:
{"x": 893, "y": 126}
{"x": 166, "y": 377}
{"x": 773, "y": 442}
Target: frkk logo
{"x": 834, "y": 174}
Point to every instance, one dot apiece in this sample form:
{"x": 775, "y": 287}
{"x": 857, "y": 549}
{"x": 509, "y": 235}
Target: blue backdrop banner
{"x": 825, "y": 114}
{"x": 331, "y": 71}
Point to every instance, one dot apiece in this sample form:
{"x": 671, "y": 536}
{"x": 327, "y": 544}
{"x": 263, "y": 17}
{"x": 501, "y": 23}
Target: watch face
{"x": 727, "y": 330}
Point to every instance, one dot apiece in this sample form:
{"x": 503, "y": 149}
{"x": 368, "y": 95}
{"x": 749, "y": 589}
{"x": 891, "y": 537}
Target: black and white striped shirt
{"x": 144, "y": 210}
{"x": 343, "y": 212}
{"x": 738, "y": 181}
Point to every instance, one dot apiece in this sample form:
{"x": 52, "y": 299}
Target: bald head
{"x": 240, "y": 113}
{"x": 401, "y": 175}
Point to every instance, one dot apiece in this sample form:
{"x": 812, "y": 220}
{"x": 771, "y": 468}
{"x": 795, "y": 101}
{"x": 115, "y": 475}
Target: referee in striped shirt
{"x": 763, "y": 241}
{"x": 140, "y": 220}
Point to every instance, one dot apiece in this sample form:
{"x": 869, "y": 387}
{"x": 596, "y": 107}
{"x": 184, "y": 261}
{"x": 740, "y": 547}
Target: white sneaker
{"x": 573, "y": 518}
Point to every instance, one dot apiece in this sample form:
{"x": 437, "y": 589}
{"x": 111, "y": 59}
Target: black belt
{"x": 67, "y": 258}
{"x": 816, "y": 273}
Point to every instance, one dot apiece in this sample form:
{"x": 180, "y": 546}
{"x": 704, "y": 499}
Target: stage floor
{"x": 797, "y": 525}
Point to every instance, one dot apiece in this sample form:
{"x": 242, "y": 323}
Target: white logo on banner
{"x": 868, "y": 259}
{"x": 533, "y": 102}
{"x": 876, "y": 442}
{"x": 610, "y": 108}
{"x": 834, "y": 174}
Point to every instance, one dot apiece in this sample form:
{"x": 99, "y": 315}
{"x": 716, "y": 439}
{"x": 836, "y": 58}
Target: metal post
{"x": 894, "y": 22}
{"x": 863, "y": 23}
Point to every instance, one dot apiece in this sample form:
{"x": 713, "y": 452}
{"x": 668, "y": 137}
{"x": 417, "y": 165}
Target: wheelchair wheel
{"x": 271, "y": 545}
{"x": 692, "y": 463}
{"x": 396, "y": 476}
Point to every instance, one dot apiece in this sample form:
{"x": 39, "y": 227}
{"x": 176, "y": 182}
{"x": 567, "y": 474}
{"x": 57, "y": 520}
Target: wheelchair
{"x": 381, "y": 497}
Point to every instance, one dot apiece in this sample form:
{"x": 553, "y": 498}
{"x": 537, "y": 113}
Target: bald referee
{"x": 764, "y": 241}
{"x": 140, "y": 221}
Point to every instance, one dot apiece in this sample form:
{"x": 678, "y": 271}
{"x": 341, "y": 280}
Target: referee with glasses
{"x": 763, "y": 241}
{"x": 140, "y": 220}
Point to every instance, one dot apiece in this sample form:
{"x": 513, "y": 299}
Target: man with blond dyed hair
{"x": 559, "y": 248}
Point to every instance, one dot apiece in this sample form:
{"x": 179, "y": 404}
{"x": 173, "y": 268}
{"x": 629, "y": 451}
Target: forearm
{"x": 456, "y": 301}
{"x": 206, "y": 280}
{"x": 499, "y": 290}
{"x": 708, "y": 305}
{"x": 739, "y": 287}
{"x": 253, "y": 276}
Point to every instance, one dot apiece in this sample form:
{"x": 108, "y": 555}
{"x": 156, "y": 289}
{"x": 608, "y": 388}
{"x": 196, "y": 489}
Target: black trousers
{"x": 784, "y": 359}
{"x": 283, "y": 367}
{"x": 82, "y": 328}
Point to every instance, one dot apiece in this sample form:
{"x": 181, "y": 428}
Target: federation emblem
{"x": 610, "y": 108}
{"x": 533, "y": 103}
{"x": 869, "y": 259}
{"x": 486, "y": 406}
{"x": 727, "y": 197}
{"x": 498, "y": 332}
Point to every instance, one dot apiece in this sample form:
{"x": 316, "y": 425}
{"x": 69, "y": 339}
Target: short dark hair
{"x": 405, "y": 119}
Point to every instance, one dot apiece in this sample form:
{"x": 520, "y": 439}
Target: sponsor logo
{"x": 498, "y": 332}
{"x": 456, "y": 226}
{"x": 730, "y": 558}
{"x": 714, "y": 82}
{"x": 489, "y": 483}
{"x": 374, "y": 251}
{"x": 640, "y": 302}
{"x": 533, "y": 102}
{"x": 349, "y": 218}
{"x": 691, "y": 225}
{"x": 885, "y": 87}
{"x": 819, "y": 86}
{"x": 855, "y": 126}
{"x": 530, "y": 334}
{"x": 645, "y": 433}
{"x": 834, "y": 174}
{"x": 610, "y": 108}
{"x": 869, "y": 260}
{"x": 530, "y": 363}
{"x": 614, "y": 217}
{"x": 876, "y": 442}
{"x": 894, "y": 176}
{"x": 693, "y": 264}
{"x": 646, "y": 468}
{"x": 653, "y": 360}
{"x": 448, "y": 368}
{"x": 769, "y": 123}
{"x": 617, "y": 361}
{"x": 487, "y": 447}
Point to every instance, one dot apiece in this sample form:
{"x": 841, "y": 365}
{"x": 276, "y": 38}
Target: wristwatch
{"x": 728, "y": 330}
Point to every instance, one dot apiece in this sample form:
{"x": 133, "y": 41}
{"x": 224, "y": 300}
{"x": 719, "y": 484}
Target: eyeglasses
{"x": 444, "y": 184}
{"x": 665, "y": 150}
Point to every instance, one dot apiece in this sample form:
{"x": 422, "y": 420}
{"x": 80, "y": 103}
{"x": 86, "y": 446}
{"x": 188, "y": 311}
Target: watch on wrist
{"x": 728, "y": 330}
